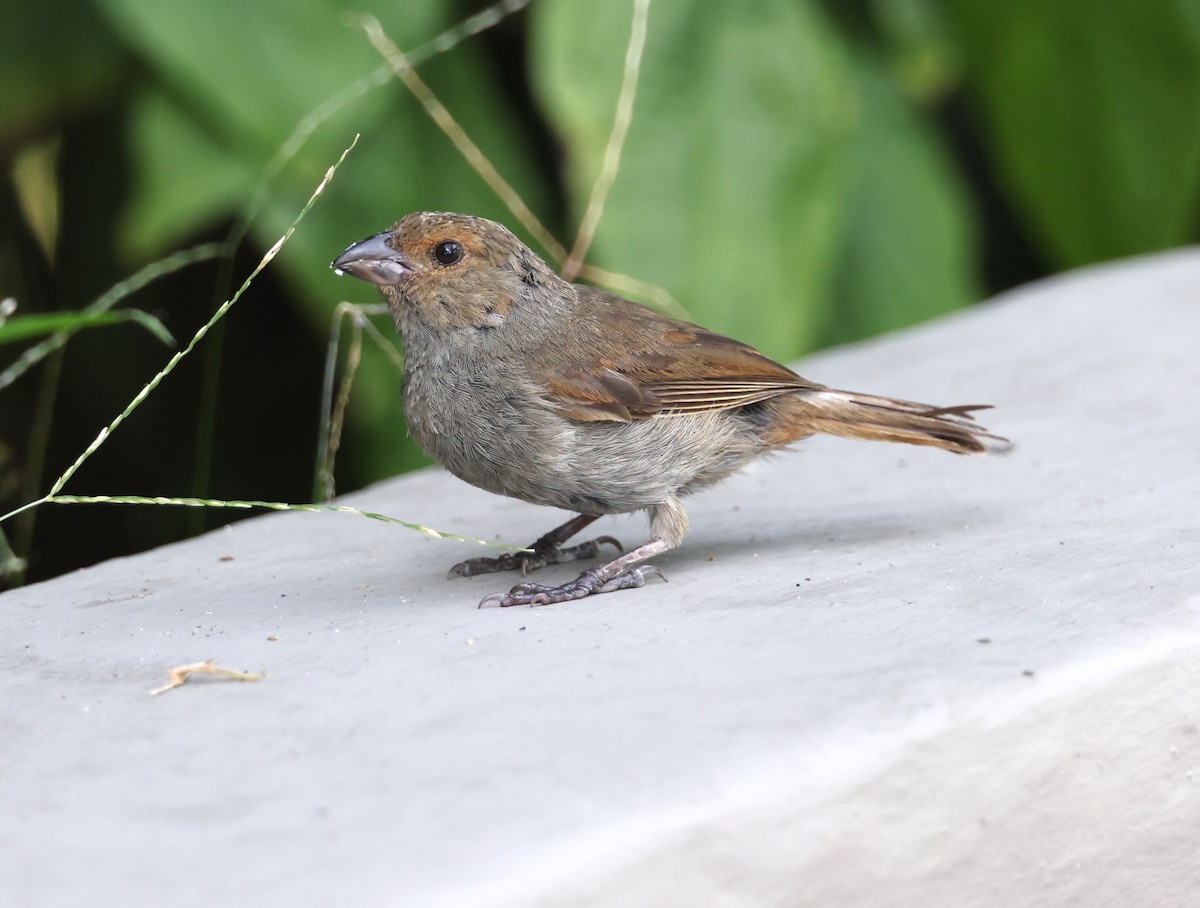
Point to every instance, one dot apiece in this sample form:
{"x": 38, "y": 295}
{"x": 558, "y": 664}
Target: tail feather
{"x": 852, "y": 415}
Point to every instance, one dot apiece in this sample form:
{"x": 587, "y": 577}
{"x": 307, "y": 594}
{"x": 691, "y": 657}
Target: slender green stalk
{"x": 206, "y": 419}
{"x": 161, "y": 501}
{"x": 323, "y": 475}
{"x": 333, "y": 414}
{"x": 337, "y": 416}
{"x": 35, "y": 459}
{"x": 622, "y": 118}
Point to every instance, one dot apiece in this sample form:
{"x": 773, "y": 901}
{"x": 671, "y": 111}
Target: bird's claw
{"x": 586, "y": 584}
{"x": 533, "y": 558}
{"x": 509, "y": 561}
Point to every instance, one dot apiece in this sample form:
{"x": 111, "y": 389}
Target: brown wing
{"x": 640, "y": 364}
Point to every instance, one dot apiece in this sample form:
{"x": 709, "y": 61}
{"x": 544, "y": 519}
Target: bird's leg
{"x": 547, "y": 550}
{"x": 618, "y": 574}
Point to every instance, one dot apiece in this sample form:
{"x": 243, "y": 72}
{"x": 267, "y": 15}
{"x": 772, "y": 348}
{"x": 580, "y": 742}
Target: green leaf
{"x": 1092, "y": 113}
{"x": 923, "y": 56}
{"x": 185, "y": 179}
{"x": 251, "y": 71}
{"x": 733, "y": 184}
{"x": 909, "y": 252}
{"x": 26, "y": 327}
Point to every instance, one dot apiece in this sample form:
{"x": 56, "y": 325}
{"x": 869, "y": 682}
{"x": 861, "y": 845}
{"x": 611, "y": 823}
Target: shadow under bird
{"x": 564, "y": 395}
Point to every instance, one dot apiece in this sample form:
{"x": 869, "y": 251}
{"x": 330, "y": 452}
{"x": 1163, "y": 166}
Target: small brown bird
{"x": 564, "y": 395}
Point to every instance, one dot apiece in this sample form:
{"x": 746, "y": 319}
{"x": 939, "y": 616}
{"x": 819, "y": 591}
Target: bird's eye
{"x": 448, "y": 252}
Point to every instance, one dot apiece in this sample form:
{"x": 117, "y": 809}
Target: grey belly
{"x": 596, "y": 467}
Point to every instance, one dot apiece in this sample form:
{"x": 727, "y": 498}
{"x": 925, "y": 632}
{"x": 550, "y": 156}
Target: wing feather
{"x": 646, "y": 365}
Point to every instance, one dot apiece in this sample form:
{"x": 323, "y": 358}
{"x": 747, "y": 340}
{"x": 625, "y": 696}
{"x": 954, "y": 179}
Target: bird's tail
{"x": 853, "y": 415}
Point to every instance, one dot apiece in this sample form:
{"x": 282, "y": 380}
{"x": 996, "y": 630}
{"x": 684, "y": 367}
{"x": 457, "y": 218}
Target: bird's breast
{"x": 487, "y": 426}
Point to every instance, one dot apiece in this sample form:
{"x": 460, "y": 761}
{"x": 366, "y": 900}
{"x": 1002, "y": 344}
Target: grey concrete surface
{"x": 877, "y": 676}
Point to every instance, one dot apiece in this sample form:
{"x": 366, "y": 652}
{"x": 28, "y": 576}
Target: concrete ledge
{"x": 878, "y": 676}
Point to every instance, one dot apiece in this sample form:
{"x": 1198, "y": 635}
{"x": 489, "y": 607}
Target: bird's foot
{"x": 586, "y": 584}
{"x": 543, "y": 552}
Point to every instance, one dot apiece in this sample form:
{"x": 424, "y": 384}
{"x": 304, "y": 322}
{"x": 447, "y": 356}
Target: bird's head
{"x": 448, "y": 270}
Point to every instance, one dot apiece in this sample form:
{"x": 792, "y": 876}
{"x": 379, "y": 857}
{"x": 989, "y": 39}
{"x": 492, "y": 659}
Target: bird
{"x": 561, "y": 394}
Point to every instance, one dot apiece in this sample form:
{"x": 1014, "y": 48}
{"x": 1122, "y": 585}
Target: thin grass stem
{"x": 248, "y": 504}
{"x": 327, "y": 440}
{"x": 337, "y": 417}
{"x": 611, "y": 161}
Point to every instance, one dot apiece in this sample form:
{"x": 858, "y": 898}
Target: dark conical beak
{"x": 373, "y": 260}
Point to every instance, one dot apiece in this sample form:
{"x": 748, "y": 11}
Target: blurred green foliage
{"x": 797, "y": 173}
